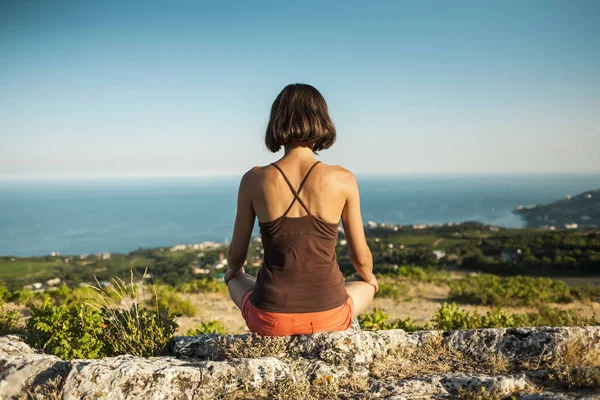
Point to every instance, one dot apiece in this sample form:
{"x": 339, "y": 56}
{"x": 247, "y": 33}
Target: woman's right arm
{"x": 354, "y": 231}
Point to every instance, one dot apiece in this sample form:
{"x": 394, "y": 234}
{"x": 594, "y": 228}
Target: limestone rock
{"x": 213, "y": 366}
{"x": 24, "y": 369}
{"x": 434, "y": 386}
{"x": 129, "y": 377}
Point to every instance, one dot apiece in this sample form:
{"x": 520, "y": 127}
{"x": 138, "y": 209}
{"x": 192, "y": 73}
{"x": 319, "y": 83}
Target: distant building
{"x": 219, "y": 265}
{"x": 571, "y": 226}
{"x": 452, "y": 257}
{"x": 53, "y": 282}
{"x": 419, "y": 226}
{"x": 103, "y": 256}
{"x": 437, "y": 254}
{"x": 511, "y": 255}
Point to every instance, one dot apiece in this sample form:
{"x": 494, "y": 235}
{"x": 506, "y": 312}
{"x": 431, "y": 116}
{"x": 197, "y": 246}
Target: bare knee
{"x": 238, "y": 286}
{"x": 362, "y": 294}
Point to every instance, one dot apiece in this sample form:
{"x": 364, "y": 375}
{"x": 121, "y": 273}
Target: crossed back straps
{"x": 296, "y": 193}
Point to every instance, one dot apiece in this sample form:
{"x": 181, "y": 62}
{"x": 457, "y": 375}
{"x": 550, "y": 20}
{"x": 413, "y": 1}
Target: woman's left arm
{"x": 242, "y": 230}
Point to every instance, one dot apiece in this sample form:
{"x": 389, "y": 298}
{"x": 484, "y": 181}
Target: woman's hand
{"x": 371, "y": 280}
{"x": 230, "y": 274}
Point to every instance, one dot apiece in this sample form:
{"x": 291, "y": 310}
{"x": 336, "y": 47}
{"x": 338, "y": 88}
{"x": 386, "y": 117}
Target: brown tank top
{"x": 300, "y": 271}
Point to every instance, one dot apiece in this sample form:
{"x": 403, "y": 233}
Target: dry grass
{"x": 578, "y": 352}
{"x": 253, "y": 346}
{"x": 482, "y": 394}
{"x": 432, "y": 356}
{"x": 577, "y": 364}
{"x": 50, "y": 390}
{"x": 297, "y": 385}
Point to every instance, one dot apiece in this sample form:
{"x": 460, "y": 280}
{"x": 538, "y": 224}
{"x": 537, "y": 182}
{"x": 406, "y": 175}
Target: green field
{"x": 28, "y": 268}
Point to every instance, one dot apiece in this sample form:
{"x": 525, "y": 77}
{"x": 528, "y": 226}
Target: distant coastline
{"x": 120, "y": 217}
{"x": 581, "y": 211}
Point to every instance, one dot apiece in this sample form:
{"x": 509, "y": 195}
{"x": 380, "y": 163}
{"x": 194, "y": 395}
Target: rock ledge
{"x": 352, "y": 364}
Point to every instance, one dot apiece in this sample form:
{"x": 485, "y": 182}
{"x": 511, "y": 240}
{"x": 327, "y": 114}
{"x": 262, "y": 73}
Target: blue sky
{"x": 116, "y": 88}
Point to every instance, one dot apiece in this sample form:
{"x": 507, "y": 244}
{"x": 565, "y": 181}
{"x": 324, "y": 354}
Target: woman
{"x": 299, "y": 288}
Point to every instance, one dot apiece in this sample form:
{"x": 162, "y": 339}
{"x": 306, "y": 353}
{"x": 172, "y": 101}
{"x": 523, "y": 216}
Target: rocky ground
{"x": 524, "y": 363}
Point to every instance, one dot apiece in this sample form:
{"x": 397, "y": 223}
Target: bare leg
{"x": 238, "y": 286}
{"x": 361, "y": 292}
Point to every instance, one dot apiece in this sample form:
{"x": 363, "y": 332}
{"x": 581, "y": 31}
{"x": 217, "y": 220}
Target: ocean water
{"x": 81, "y": 217}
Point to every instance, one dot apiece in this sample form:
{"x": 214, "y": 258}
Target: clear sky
{"x": 185, "y": 88}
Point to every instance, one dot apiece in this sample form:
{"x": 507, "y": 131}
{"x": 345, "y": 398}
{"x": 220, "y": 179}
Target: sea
{"x": 80, "y": 216}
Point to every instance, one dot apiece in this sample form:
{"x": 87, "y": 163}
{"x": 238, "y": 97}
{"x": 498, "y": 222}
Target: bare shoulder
{"x": 251, "y": 177}
{"x": 341, "y": 177}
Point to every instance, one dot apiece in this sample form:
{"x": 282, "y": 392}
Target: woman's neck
{"x": 299, "y": 151}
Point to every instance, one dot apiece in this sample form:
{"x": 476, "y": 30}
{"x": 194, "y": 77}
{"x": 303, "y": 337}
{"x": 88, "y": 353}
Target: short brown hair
{"x": 299, "y": 113}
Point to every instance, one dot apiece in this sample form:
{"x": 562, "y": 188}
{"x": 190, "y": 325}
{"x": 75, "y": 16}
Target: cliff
{"x": 528, "y": 363}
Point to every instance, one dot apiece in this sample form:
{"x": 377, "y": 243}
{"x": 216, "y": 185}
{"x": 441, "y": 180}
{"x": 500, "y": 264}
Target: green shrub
{"x": 138, "y": 331}
{"x": 419, "y": 274}
{"x": 66, "y": 332}
{"x": 9, "y": 321}
{"x": 166, "y": 298}
{"x": 101, "y": 326}
{"x": 586, "y": 292}
{"x": 4, "y": 293}
{"x": 204, "y": 285}
{"x": 509, "y": 291}
{"x": 412, "y": 272}
{"x": 388, "y": 290}
{"x": 60, "y": 294}
{"x": 548, "y": 316}
{"x": 22, "y": 296}
{"x": 409, "y": 325}
{"x": 207, "y": 327}
{"x": 82, "y": 294}
{"x": 378, "y": 320}
{"x": 450, "y": 317}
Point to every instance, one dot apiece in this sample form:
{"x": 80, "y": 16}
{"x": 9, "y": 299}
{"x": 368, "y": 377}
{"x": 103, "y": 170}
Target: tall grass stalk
{"x": 130, "y": 326}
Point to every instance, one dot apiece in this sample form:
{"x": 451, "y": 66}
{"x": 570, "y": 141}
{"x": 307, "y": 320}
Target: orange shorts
{"x": 267, "y": 323}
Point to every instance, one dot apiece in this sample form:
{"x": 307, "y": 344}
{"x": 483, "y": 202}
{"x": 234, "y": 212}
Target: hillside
{"x": 578, "y": 212}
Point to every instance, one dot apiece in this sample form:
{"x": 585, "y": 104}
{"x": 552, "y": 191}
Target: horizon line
{"x": 124, "y": 176}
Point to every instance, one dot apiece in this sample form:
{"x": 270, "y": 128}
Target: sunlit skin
{"x": 331, "y": 194}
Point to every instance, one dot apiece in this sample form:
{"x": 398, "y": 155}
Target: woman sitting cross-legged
{"x": 299, "y": 203}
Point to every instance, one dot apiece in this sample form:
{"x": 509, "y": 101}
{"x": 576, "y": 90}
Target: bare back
{"x": 330, "y": 195}
{"x": 323, "y": 192}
